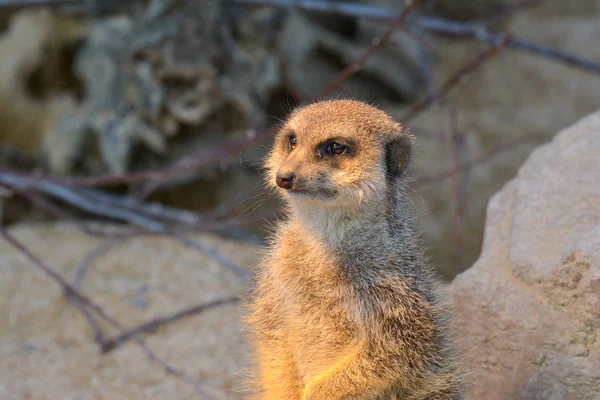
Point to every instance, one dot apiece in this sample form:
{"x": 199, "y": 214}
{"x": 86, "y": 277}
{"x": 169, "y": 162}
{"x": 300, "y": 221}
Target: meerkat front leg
{"x": 397, "y": 348}
{"x": 279, "y": 376}
{"x": 357, "y": 375}
{"x": 277, "y": 373}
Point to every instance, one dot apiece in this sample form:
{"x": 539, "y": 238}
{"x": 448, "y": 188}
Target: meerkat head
{"x": 337, "y": 153}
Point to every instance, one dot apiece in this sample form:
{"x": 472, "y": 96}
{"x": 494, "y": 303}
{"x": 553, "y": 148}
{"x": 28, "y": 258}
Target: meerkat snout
{"x": 285, "y": 180}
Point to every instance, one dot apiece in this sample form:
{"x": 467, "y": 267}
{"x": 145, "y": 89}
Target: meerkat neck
{"x": 342, "y": 227}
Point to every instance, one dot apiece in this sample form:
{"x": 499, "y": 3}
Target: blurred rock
{"x": 47, "y": 350}
{"x": 35, "y": 76}
{"x": 36, "y": 86}
{"x": 528, "y": 312}
{"x": 172, "y": 71}
{"x": 118, "y": 96}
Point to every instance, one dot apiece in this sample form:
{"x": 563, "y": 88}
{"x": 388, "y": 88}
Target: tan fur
{"x": 345, "y": 305}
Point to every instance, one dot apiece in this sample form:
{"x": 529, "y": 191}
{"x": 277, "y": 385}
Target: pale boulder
{"x": 528, "y": 312}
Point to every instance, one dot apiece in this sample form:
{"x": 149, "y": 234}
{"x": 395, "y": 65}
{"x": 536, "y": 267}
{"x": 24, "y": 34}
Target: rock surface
{"x": 528, "y": 311}
{"x": 47, "y": 350}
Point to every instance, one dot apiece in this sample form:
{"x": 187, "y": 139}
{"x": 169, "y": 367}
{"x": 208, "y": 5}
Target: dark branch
{"x": 319, "y": 6}
{"x": 358, "y": 65}
{"x": 224, "y": 152}
{"x": 154, "y": 324}
{"x": 475, "y": 30}
{"x": 484, "y": 157}
{"x": 84, "y": 265}
{"x": 37, "y": 3}
{"x": 110, "y": 206}
{"x": 453, "y": 81}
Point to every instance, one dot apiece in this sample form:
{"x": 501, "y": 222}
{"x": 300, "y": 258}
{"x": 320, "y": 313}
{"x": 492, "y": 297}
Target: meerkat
{"x": 345, "y": 304}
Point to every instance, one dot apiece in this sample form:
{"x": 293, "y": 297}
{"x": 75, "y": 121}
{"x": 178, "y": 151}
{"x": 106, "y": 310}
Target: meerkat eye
{"x": 292, "y": 142}
{"x": 336, "y": 149}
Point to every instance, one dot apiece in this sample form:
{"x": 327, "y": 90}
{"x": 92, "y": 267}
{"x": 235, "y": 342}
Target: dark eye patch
{"x": 336, "y": 146}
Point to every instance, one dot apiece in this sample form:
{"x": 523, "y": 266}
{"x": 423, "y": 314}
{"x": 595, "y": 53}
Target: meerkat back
{"x": 345, "y": 306}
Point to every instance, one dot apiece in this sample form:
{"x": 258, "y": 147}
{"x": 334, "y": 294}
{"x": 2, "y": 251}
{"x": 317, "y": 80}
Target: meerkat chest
{"x": 317, "y": 308}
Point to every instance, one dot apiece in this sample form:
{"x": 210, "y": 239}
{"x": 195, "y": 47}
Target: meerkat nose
{"x": 285, "y": 181}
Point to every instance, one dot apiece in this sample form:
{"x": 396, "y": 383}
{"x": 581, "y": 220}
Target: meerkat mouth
{"x": 321, "y": 193}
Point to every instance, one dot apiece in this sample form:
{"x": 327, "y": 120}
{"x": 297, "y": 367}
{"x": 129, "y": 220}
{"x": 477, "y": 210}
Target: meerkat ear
{"x": 397, "y": 155}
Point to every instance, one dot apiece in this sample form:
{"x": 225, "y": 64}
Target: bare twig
{"x": 457, "y": 214}
{"x": 37, "y": 3}
{"x": 358, "y": 64}
{"x": 474, "y": 30}
{"x": 106, "y": 205}
{"x": 224, "y": 152}
{"x": 213, "y": 253}
{"x": 326, "y": 7}
{"x": 486, "y": 156}
{"x": 91, "y": 320}
{"x": 227, "y": 228}
{"x": 49, "y": 206}
{"x": 505, "y": 11}
{"x": 482, "y": 34}
{"x": 72, "y": 292}
{"x": 76, "y": 199}
{"x": 426, "y": 134}
{"x": 155, "y": 323}
{"x": 98, "y": 252}
{"x": 453, "y": 80}
{"x": 154, "y": 210}
{"x": 291, "y": 88}
{"x": 39, "y": 201}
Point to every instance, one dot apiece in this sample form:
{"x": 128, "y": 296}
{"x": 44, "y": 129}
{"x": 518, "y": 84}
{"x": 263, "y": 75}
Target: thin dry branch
{"x": 152, "y": 325}
{"x": 508, "y": 10}
{"x": 191, "y": 163}
{"x": 484, "y": 157}
{"x": 482, "y": 34}
{"x": 71, "y": 196}
{"x": 226, "y": 228}
{"x": 453, "y": 138}
{"x": 211, "y": 252}
{"x": 359, "y": 64}
{"x": 87, "y": 262}
{"x": 89, "y": 317}
{"x": 45, "y": 204}
{"x": 474, "y": 30}
{"x": 72, "y": 293}
{"x": 111, "y": 206}
{"x": 454, "y": 80}
{"x": 37, "y": 3}
{"x": 326, "y": 7}
{"x": 153, "y": 209}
